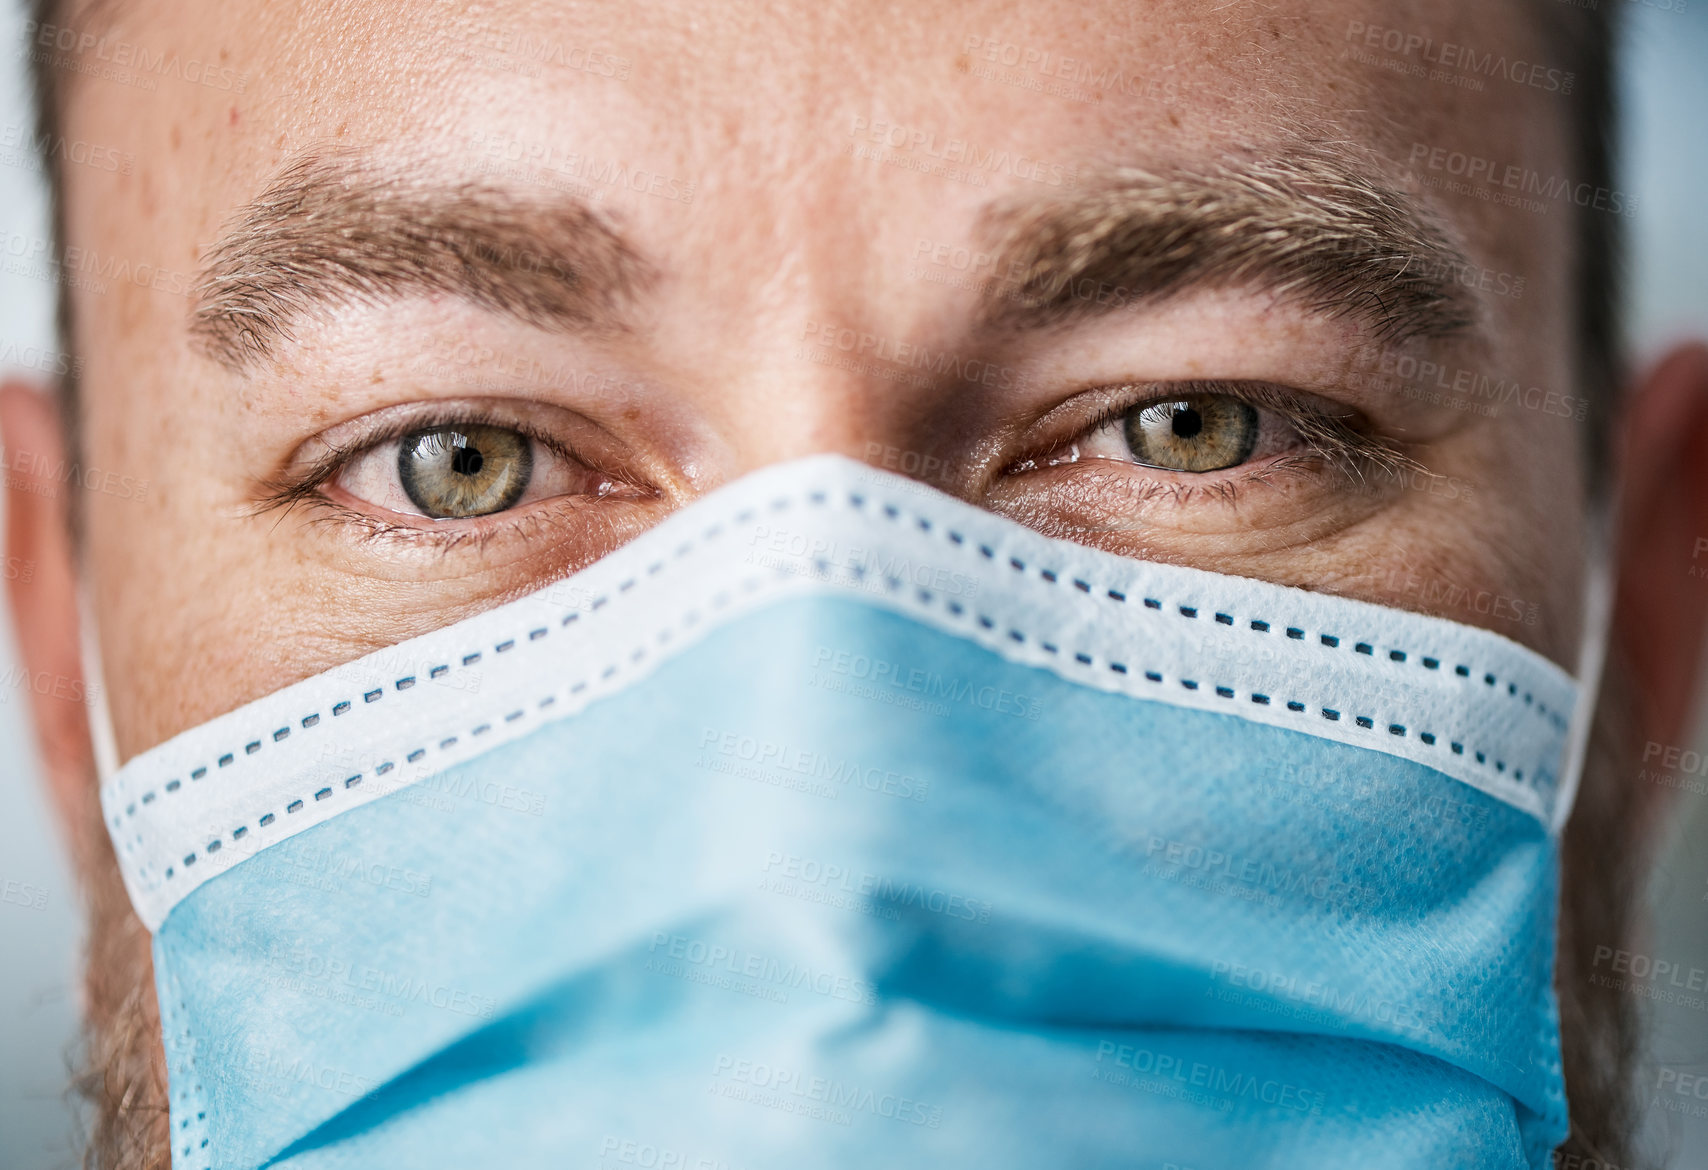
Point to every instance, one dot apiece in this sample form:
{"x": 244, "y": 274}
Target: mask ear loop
{"x": 101, "y": 738}
{"x": 1592, "y": 657}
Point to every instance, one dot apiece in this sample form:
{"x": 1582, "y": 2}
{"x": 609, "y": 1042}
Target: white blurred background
{"x": 1666, "y": 108}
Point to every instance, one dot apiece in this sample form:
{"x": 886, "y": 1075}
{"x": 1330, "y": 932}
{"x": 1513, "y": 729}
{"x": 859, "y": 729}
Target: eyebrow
{"x": 1309, "y": 228}
{"x": 328, "y": 232}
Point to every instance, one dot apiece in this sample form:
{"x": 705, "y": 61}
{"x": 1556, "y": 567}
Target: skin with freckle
{"x": 775, "y": 214}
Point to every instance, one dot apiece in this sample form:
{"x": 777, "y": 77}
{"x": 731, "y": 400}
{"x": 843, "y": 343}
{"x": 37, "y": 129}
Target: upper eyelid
{"x": 439, "y": 415}
{"x": 1328, "y": 432}
{"x": 1284, "y": 401}
{"x": 1330, "y": 427}
{"x": 294, "y": 482}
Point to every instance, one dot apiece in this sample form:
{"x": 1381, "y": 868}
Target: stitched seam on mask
{"x": 192, "y": 1130}
{"x": 1396, "y": 655}
{"x": 252, "y": 745}
{"x": 856, "y": 500}
{"x": 1086, "y": 663}
{"x": 297, "y": 803}
{"x": 1080, "y": 664}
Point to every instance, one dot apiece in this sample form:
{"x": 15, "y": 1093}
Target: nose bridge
{"x": 823, "y": 372}
{"x": 851, "y": 388}
{"x": 862, "y": 376}
{"x": 824, "y": 339}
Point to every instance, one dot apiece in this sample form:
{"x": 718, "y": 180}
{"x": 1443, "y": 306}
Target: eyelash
{"x": 304, "y": 489}
{"x": 1328, "y": 439}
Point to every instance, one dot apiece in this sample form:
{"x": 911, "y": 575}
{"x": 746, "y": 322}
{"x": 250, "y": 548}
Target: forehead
{"x": 804, "y": 153}
{"x": 950, "y": 104}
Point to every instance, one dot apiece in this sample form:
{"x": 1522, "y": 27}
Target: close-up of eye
{"x": 423, "y": 471}
{"x": 1202, "y": 433}
{"x": 1256, "y": 463}
{"x": 1196, "y": 429}
{"x": 454, "y": 472}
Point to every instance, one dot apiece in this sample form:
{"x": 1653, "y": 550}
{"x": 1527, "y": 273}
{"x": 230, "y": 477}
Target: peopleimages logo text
{"x": 1492, "y": 173}
{"x": 1460, "y": 58}
{"x": 924, "y": 143}
{"x": 881, "y": 672}
{"x": 75, "y": 44}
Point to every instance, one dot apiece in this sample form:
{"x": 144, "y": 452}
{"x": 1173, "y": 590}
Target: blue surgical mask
{"x": 836, "y": 823}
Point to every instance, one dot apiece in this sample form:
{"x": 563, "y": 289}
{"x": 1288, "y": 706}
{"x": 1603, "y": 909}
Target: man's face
{"x": 1269, "y": 290}
{"x": 689, "y": 246}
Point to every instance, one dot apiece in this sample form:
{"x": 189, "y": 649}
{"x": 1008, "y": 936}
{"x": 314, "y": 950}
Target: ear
{"x": 41, "y": 585}
{"x": 1662, "y": 610}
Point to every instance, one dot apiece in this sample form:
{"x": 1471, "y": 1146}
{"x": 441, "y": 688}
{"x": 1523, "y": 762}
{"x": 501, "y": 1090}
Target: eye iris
{"x": 1205, "y": 433}
{"x": 455, "y": 472}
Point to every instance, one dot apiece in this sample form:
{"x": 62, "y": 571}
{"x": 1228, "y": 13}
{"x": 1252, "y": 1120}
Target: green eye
{"x": 1201, "y": 433}
{"x": 453, "y": 472}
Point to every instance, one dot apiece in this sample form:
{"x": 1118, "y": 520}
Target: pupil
{"x": 1187, "y": 422}
{"x": 466, "y": 460}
